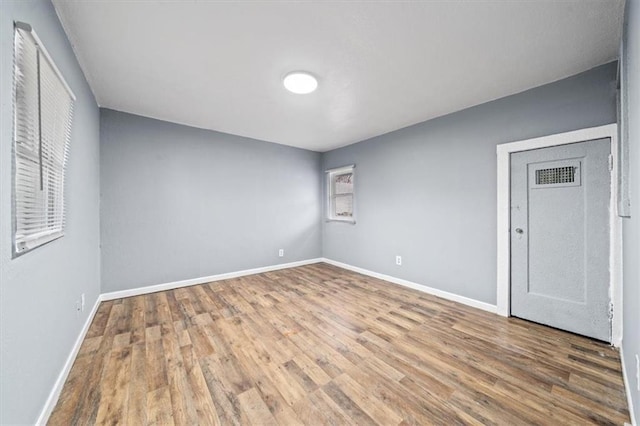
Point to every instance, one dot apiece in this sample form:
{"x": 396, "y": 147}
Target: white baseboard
{"x": 52, "y": 400}
{"x": 627, "y": 389}
{"x": 433, "y": 291}
{"x": 202, "y": 280}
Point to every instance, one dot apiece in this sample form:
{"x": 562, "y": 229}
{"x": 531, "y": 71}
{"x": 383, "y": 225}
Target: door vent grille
{"x": 555, "y": 175}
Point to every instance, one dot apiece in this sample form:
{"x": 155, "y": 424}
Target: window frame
{"x": 331, "y": 196}
{"x": 52, "y": 156}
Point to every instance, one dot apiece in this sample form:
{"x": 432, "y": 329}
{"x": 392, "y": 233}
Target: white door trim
{"x": 504, "y": 241}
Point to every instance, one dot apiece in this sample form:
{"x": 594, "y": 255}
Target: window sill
{"x": 35, "y": 241}
{"x": 348, "y": 221}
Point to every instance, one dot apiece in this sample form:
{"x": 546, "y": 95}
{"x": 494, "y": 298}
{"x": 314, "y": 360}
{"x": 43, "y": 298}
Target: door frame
{"x": 504, "y": 151}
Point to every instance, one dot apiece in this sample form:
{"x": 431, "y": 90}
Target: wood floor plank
{"x": 159, "y": 410}
{"x": 89, "y": 401}
{"x": 182, "y": 401}
{"x": 155, "y": 360}
{"x": 268, "y": 392}
{"x": 137, "y": 412}
{"x": 138, "y": 325}
{"x": 225, "y": 404}
{"x": 330, "y": 410}
{"x": 73, "y": 393}
{"x": 99, "y": 322}
{"x": 375, "y": 408}
{"x": 319, "y": 345}
{"x": 309, "y": 414}
{"x": 255, "y": 409}
{"x": 202, "y": 401}
{"x": 347, "y": 404}
{"x": 115, "y": 387}
{"x": 312, "y": 369}
{"x": 413, "y": 409}
{"x": 286, "y": 385}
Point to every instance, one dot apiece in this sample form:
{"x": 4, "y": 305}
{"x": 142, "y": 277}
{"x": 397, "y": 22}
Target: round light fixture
{"x": 300, "y": 82}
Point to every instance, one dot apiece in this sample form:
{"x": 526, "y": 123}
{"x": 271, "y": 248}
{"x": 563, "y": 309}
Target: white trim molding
{"x": 425, "y": 289}
{"x": 628, "y": 389}
{"x": 202, "y": 280}
{"x": 52, "y": 400}
{"x": 504, "y": 152}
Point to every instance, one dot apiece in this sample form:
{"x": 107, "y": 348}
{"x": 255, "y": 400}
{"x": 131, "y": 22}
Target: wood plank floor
{"x": 321, "y": 345}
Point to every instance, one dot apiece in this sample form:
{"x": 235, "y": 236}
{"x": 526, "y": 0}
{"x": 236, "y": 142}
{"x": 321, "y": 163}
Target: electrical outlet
{"x": 638, "y": 372}
{"x": 399, "y": 260}
{"x": 281, "y": 253}
{"x": 82, "y": 302}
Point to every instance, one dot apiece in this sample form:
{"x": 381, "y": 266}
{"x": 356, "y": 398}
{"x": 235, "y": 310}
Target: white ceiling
{"x": 381, "y": 65}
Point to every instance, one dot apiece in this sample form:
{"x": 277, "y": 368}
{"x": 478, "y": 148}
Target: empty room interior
{"x": 320, "y": 212}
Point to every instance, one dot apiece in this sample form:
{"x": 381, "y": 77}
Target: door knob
{"x": 519, "y": 230}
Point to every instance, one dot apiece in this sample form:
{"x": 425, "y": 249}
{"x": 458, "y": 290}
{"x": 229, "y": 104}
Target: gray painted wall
{"x": 631, "y": 226}
{"x": 38, "y": 323}
{"x": 428, "y": 192}
{"x": 181, "y": 203}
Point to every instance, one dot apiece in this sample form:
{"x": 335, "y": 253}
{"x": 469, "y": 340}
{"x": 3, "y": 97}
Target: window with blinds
{"x": 43, "y": 110}
{"x": 341, "y": 193}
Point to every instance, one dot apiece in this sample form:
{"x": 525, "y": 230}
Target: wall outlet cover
{"x": 399, "y": 260}
{"x": 281, "y": 252}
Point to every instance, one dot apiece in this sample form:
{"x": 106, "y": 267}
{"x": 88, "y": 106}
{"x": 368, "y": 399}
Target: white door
{"x": 560, "y": 201}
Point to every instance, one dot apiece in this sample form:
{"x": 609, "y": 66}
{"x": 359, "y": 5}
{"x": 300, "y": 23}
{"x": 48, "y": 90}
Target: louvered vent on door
{"x": 555, "y": 175}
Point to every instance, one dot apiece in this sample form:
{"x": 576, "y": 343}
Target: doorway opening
{"x": 504, "y": 266}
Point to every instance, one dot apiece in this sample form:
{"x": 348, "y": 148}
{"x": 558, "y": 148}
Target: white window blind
{"x": 43, "y": 110}
{"x": 341, "y": 193}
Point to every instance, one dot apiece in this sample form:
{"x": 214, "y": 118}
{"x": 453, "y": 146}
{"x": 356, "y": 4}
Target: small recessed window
{"x": 340, "y": 187}
{"x": 43, "y": 110}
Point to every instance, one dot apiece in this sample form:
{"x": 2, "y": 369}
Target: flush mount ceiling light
{"x": 300, "y": 82}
